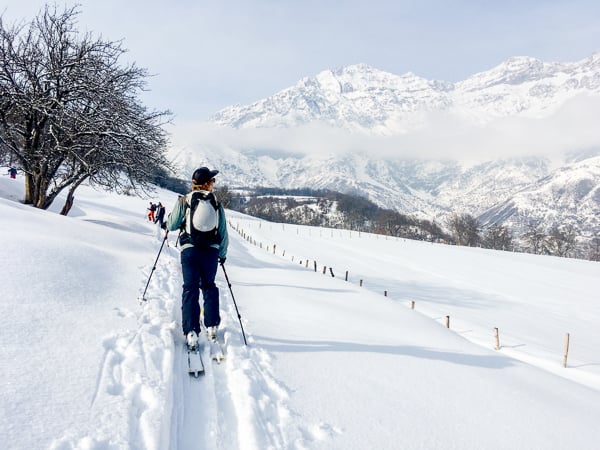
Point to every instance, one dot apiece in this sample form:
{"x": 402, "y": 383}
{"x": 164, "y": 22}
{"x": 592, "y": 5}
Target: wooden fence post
{"x": 360, "y": 283}
{"x": 566, "y": 350}
{"x": 412, "y": 304}
{"x": 447, "y": 321}
{"x": 346, "y": 275}
{"x": 497, "y": 337}
{"x": 331, "y": 272}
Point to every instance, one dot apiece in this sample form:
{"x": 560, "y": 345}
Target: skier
{"x": 204, "y": 242}
{"x": 151, "y": 210}
{"x": 12, "y": 172}
{"x": 160, "y": 215}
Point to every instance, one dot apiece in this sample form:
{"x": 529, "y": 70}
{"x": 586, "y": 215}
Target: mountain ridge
{"x": 382, "y": 95}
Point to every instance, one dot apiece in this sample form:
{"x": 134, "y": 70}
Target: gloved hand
{"x": 222, "y": 260}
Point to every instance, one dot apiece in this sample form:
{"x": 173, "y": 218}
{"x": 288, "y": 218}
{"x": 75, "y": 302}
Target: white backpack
{"x": 203, "y": 209}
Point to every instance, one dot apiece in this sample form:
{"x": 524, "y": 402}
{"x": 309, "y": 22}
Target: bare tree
{"x": 535, "y": 238}
{"x": 464, "y": 228}
{"x": 357, "y": 212}
{"x": 562, "y": 240}
{"x": 389, "y": 222}
{"x": 69, "y": 111}
{"x": 594, "y": 249}
{"x": 224, "y": 195}
{"x": 498, "y": 237}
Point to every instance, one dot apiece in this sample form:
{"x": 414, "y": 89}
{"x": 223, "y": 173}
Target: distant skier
{"x": 151, "y": 210}
{"x": 12, "y": 172}
{"x": 160, "y": 215}
{"x": 204, "y": 242}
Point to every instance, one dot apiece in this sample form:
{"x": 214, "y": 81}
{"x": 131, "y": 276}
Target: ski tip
{"x": 218, "y": 358}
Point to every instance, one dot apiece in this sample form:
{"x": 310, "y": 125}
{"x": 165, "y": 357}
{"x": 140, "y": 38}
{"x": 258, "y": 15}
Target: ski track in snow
{"x": 238, "y": 404}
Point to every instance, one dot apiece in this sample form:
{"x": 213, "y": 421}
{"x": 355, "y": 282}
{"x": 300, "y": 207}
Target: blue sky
{"x": 206, "y": 55}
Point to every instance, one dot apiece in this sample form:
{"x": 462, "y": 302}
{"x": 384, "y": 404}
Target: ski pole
{"x": 154, "y": 267}
{"x": 234, "y": 303}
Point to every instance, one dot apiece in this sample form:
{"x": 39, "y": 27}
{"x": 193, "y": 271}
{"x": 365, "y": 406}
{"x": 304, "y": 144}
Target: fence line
{"x": 496, "y": 332}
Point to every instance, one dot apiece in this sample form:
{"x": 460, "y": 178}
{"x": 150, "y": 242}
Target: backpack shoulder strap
{"x": 213, "y": 200}
{"x": 185, "y": 207}
{"x": 197, "y": 196}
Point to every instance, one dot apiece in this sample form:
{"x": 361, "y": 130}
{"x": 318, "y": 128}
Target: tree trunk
{"x": 41, "y": 188}
{"x": 68, "y": 203}
{"x": 29, "y": 189}
{"x": 35, "y": 190}
{"x": 71, "y": 196}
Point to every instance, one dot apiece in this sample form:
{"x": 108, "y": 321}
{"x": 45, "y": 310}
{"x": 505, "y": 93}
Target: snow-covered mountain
{"x": 569, "y": 196}
{"x": 403, "y": 139}
{"x": 356, "y": 97}
{"x": 360, "y": 97}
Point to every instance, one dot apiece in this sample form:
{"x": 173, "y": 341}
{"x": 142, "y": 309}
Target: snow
{"x": 329, "y": 364}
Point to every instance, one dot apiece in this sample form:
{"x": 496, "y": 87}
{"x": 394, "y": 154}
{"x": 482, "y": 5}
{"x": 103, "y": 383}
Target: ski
{"x": 216, "y": 348}
{"x": 194, "y": 359}
{"x": 216, "y": 351}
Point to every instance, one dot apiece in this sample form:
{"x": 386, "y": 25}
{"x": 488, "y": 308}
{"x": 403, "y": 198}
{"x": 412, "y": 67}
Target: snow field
{"x": 533, "y": 301}
{"x": 135, "y": 379}
{"x": 384, "y": 373}
{"x": 329, "y": 365}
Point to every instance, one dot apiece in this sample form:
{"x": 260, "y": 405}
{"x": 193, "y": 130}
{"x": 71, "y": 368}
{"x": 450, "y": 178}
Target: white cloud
{"x": 573, "y": 126}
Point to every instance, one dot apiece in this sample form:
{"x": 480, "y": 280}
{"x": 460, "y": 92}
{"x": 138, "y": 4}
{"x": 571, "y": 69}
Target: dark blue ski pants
{"x": 199, "y": 267}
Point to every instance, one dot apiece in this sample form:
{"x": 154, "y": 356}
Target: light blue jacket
{"x": 181, "y": 212}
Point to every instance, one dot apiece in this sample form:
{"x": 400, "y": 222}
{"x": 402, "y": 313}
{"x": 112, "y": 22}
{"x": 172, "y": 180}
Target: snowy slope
{"x": 329, "y": 365}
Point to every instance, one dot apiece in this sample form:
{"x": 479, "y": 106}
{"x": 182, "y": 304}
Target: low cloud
{"x": 573, "y": 126}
